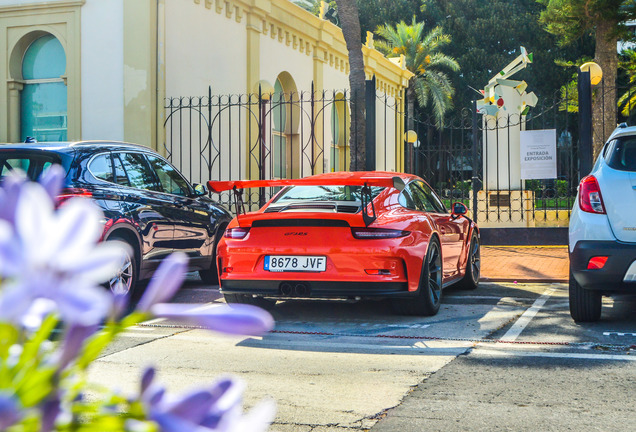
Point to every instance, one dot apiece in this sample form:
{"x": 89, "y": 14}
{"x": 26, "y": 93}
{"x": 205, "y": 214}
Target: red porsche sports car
{"x": 348, "y": 235}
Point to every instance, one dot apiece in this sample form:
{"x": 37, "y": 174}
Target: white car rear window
{"x": 623, "y": 154}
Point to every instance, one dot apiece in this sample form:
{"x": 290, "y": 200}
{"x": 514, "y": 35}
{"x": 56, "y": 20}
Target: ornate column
{"x": 14, "y": 87}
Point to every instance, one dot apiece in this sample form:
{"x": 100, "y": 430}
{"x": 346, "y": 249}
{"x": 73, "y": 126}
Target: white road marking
{"x": 129, "y": 334}
{"x": 514, "y": 332}
{"x": 618, "y": 357}
{"x": 615, "y": 333}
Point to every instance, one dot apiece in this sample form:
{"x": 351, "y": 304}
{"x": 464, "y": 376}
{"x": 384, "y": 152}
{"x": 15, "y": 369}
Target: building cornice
{"x": 289, "y": 24}
{"x": 29, "y": 7}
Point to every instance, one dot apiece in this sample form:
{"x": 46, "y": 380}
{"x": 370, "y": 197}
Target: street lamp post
{"x": 410, "y": 137}
{"x": 590, "y": 74}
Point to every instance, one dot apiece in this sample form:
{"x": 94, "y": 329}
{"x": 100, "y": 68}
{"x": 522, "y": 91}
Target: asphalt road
{"x": 502, "y": 357}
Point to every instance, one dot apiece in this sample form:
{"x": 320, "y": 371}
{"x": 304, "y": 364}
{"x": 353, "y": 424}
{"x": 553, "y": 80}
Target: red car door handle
{"x": 442, "y": 230}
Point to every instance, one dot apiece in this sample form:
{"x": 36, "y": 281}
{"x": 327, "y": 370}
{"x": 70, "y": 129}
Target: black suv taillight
{"x": 68, "y": 193}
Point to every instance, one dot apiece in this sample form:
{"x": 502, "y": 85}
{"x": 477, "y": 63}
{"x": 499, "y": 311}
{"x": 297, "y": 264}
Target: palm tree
{"x": 350, "y": 23}
{"x": 431, "y": 85}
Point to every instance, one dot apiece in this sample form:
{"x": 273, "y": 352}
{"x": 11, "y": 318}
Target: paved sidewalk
{"x": 524, "y": 263}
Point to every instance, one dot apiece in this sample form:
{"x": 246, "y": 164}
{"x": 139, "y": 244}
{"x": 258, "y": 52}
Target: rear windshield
{"x": 623, "y": 154}
{"x": 32, "y": 163}
{"x": 325, "y": 193}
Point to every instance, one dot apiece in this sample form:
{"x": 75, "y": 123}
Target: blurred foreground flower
{"x": 213, "y": 408}
{"x": 52, "y": 266}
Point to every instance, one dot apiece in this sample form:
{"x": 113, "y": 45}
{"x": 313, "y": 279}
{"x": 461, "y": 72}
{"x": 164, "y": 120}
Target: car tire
{"x": 470, "y": 281}
{"x": 128, "y": 273}
{"x": 249, "y": 299}
{"x": 585, "y": 305}
{"x": 211, "y": 276}
{"x": 429, "y": 293}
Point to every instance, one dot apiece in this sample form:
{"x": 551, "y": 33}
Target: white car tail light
{"x": 236, "y": 233}
{"x": 377, "y": 233}
{"x": 590, "y": 199}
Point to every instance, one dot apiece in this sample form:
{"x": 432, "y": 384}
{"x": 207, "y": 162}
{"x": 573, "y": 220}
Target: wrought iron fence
{"x": 293, "y": 135}
{"x": 265, "y": 136}
{"x": 473, "y": 159}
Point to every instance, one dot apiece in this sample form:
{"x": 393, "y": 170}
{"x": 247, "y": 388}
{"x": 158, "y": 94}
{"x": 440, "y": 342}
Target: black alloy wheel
{"x": 470, "y": 281}
{"x": 211, "y": 276}
{"x": 429, "y": 293}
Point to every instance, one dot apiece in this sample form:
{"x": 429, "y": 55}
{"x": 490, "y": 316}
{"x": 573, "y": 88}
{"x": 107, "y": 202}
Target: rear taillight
{"x": 377, "y": 233}
{"x": 597, "y": 263}
{"x": 590, "y": 199}
{"x": 68, "y": 193}
{"x": 236, "y": 233}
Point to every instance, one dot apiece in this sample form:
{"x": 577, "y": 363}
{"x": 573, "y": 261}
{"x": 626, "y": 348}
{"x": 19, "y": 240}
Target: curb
{"x": 526, "y": 280}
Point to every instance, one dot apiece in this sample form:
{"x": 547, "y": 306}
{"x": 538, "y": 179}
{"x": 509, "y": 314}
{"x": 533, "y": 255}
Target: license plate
{"x": 295, "y": 263}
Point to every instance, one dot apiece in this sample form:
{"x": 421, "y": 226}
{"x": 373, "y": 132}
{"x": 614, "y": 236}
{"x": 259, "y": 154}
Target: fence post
{"x": 370, "y": 125}
{"x": 261, "y": 173}
{"x": 209, "y": 140}
{"x": 585, "y": 123}
{"x": 475, "y": 179}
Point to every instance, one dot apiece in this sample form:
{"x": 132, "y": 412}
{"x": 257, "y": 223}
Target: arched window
{"x": 339, "y": 132}
{"x": 279, "y": 151}
{"x": 43, "y": 101}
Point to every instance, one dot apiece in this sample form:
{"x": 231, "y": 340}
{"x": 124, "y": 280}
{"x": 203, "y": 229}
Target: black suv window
{"x": 31, "y": 163}
{"x": 102, "y": 167}
{"x": 138, "y": 173}
{"x": 171, "y": 181}
{"x": 623, "y": 154}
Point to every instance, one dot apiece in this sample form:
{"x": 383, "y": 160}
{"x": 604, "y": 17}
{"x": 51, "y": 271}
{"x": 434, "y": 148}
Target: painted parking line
{"x": 513, "y": 333}
{"x": 555, "y": 355}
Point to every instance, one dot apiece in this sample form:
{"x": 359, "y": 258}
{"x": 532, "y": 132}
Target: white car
{"x": 602, "y": 232}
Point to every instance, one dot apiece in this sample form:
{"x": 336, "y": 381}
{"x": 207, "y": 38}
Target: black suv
{"x": 146, "y": 202}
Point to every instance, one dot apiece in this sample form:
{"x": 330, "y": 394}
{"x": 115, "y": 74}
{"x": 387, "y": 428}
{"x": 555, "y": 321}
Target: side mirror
{"x": 199, "y": 189}
{"x": 459, "y": 209}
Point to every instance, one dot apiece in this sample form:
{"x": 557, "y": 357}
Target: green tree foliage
{"x": 314, "y": 6}
{"x": 376, "y": 13}
{"x": 627, "y": 101}
{"x": 487, "y": 36}
{"x": 570, "y": 20}
{"x": 423, "y": 56}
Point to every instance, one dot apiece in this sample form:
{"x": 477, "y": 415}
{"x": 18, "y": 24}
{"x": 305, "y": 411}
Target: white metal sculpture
{"x": 504, "y": 106}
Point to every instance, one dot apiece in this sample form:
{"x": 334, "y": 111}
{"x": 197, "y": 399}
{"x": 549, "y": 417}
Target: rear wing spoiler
{"x": 237, "y": 187}
{"x": 221, "y": 186}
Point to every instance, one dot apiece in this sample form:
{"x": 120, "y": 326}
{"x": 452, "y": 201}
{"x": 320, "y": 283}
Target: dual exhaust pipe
{"x": 295, "y": 289}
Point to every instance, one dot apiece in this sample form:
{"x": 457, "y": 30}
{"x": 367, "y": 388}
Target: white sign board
{"x": 538, "y": 154}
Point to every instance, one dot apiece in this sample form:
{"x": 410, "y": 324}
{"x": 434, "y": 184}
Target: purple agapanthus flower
{"x": 9, "y": 194}
{"x": 9, "y": 411}
{"x": 165, "y": 282}
{"x": 53, "y": 254}
{"x": 214, "y": 408}
{"x": 236, "y": 319}
{"x": 72, "y": 343}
